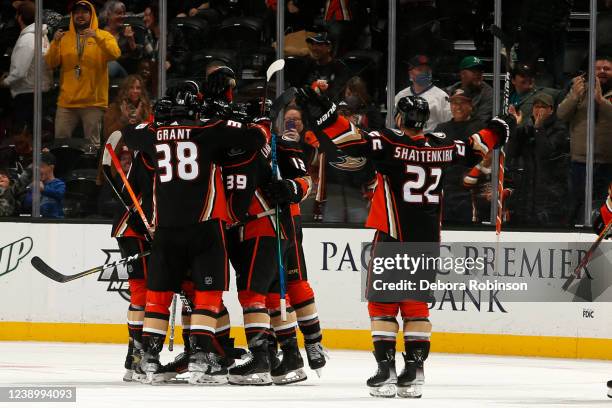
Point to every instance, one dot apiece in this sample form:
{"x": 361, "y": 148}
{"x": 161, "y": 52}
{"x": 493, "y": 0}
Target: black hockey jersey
{"x": 188, "y": 186}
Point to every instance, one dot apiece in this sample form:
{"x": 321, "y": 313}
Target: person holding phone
{"x": 113, "y": 18}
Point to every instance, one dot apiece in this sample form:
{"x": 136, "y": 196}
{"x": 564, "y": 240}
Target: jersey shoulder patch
{"x": 142, "y": 126}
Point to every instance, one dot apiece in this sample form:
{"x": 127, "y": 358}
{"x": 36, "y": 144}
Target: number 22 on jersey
{"x": 184, "y": 154}
{"x": 413, "y": 189}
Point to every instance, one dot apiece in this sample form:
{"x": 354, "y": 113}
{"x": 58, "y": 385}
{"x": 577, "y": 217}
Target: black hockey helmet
{"x": 181, "y": 101}
{"x": 413, "y": 112}
{"x": 220, "y": 83}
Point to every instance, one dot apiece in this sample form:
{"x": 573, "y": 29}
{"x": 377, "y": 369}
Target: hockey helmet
{"x": 220, "y": 83}
{"x": 413, "y": 111}
{"x": 181, "y": 101}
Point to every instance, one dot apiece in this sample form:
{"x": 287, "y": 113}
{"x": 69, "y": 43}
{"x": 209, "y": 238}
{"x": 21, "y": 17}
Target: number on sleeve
{"x": 236, "y": 181}
{"x": 298, "y": 163}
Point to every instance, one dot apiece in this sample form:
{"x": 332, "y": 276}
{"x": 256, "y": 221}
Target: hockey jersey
{"x": 407, "y": 200}
{"x": 188, "y": 186}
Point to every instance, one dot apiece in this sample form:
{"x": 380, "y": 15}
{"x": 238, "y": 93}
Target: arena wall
{"x": 93, "y": 309}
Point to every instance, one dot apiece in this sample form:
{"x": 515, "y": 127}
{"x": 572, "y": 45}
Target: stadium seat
{"x": 67, "y": 153}
{"x": 211, "y": 16}
{"x": 194, "y": 32}
{"x": 240, "y": 33}
{"x": 199, "y": 60}
{"x": 81, "y": 193}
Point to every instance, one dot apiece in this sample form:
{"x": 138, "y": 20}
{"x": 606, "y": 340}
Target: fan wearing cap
{"x": 470, "y": 72}
{"x": 324, "y": 72}
{"x": 525, "y": 88}
{"x": 52, "y": 189}
{"x": 541, "y": 149}
{"x": 420, "y": 73}
{"x": 82, "y": 55}
{"x": 458, "y": 199}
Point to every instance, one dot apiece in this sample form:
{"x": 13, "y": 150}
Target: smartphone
{"x": 290, "y": 125}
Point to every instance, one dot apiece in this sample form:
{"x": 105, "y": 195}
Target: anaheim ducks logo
{"x": 117, "y": 277}
{"x": 349, "y": 163}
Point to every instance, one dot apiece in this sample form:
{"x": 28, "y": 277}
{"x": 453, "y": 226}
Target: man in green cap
{"x": 470, "y": 71}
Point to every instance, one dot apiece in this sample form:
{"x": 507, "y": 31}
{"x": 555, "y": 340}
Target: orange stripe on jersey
{"x": 252, "y": 264}
{"x": 377, "y": 217}
{"x": 219, "y": 211}
{"x": 209, "y": 199}
{"x": 311, "y": 139}
{"x": 483, "y": 141}
{"x": 226, "y": 262}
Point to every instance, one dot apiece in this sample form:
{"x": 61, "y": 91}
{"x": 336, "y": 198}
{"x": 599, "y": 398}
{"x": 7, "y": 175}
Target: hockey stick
{"x": 587, "y": 257}
{"x": 111, "y": 181}
{"x": 113, "y": 140}
{"x": 51, "y": 273}
{"x": 281, "y": 266}
{"x": 172, "y": 321}
{"x": 276, "y": 66}
{"x": 251, "y": 218}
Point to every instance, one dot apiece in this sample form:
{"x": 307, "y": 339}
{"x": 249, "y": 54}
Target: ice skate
{"x": 317, "y": 357}
{"x": 205, "y": 369}
{"x": 290, "y": 370}
{"x": 255, "y": 371}
{"x": 410, "y": 381}
{"x": 610, "y": 389}
{"x": 151, "y": 368}
{"x": 176, "y": 367}
{"x": 384, "y": 382}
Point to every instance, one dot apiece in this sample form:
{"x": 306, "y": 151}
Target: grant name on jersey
{"x": 173, "y": 134}
{"x": 424, "y": 155}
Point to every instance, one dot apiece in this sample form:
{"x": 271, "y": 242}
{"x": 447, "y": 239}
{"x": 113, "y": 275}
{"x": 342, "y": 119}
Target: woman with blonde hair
{"x": 131, "y": 106}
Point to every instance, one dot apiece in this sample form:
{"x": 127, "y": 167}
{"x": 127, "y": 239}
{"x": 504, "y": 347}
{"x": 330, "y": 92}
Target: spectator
{"x": 324, "y": 72}
{"x": 113, "y": 16}
{"x": 457, "y": 196}
{"x": 52, "y": 189}
{"x": 470, "y": 70}
{"x": 573, "y": 110}
{"x": 131, "y": 106}
{"x": 542, "y": 145}
{"x": 357, "y": 96}
{"x": 82, "y": 54}
{"x": 420, "y": 73}
{"x": 191, "y": 7}
{"x": 10, "y": 191}
{"x": 525, "y": 89}
{"x": 20, "y": 78}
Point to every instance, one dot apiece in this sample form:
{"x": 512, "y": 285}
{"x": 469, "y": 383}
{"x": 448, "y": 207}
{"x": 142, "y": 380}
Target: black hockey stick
{"x": 51, "y": 273}
{"x": 587, "y": 257}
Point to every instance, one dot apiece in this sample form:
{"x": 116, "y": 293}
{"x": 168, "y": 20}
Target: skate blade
{"x": 253, "y": 379}
{"x": 291, "y": 377}
{"x": 412, "y": 391}
{"x": 199, "y": 378}
{"x": 384, "y": 391}
{"x": 139, "y": 377}
{"x": 319, "y": 372}
{"x": 153, "y": 378}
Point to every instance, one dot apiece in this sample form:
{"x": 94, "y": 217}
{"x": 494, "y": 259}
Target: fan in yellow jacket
{"x": 82, "y": 54}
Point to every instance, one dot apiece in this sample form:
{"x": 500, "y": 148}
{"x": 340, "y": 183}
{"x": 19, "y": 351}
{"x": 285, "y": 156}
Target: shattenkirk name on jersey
{"x": 425, "y": 155}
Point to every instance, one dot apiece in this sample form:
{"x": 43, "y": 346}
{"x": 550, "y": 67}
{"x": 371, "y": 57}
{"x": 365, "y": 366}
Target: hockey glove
{"x": 504, "y": 127}
{"x": 320, "y": 111}
{"x": 283, "y": 192}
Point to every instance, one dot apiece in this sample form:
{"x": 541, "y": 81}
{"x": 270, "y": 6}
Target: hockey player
{"x": 132, "y": 238}
{"x": 602, "y": 218}
{"x": 291, "y": 165}
{"x": 405, "y": 208}
{"x": 190, "y": 214}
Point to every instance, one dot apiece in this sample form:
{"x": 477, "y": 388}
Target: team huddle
{"x": 216, "y": 187}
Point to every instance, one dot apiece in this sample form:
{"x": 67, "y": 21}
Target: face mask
{"x": 423, "y": 79}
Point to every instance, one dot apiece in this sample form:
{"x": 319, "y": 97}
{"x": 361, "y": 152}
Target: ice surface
{"x": 451, "y": 381}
